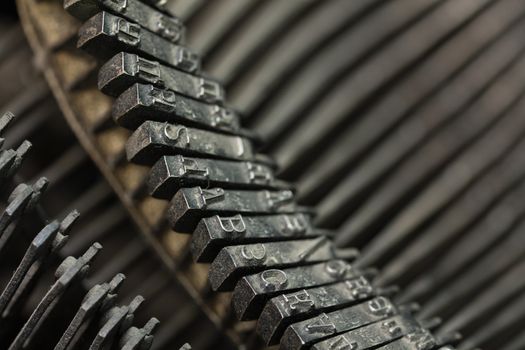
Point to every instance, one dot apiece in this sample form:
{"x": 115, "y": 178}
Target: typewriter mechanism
{"x": 262, "y": 174}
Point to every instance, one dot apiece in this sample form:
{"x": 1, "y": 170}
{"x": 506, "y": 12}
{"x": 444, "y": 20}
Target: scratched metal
{"x": 126, "y": 69}
{"x": 236, "y": 261}
{"x": 305, "y": 333}
{"x": 289, "y": 308}
{"x": 215, "y": 232}
{"x": 419, "y": 340}
{"x": 153, "y": 139}
{"x": 145, "y": 102}
{"x": 169, "y": 27}
{"x": 191, "y": 204}
{"x": 372, "y": 335}
{"x": 171, "y": 173}
{"x": 106, "y": 34}
{"x": 252, "y": 292}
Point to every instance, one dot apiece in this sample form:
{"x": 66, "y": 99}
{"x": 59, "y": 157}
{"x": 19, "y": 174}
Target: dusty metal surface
{"x": 75, "y": 184}
{"x": 375, "y": 111}
{"x": 162, "y": 130}
{"x": 88, "y": 112}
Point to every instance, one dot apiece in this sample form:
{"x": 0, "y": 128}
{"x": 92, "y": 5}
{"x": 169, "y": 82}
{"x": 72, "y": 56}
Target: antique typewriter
{"x": 253, "y": 174}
